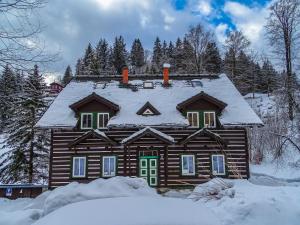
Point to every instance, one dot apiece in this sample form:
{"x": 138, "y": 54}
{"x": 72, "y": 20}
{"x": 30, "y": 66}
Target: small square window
{"x": 86, "y": 120}
{"x": 210, "y": 119}
{"x": 109, "y": 166}
{"x": 188, "y": 165}
{"x": 193, "y": 118}
{"x": 79, "y": 167}
{"x": 218, "y": 164}
{"x": 148, "y": 84}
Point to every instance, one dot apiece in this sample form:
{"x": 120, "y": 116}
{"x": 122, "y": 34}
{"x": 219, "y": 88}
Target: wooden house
{"x": 172, "y": 130}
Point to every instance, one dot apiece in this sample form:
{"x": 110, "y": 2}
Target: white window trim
{"x": 214, "y": 119}
{"x": 194, "y": 166}
{"x": 73, "y": 167}
{"x": 98, "y": 120}
{"x": 197, "y": 113}
{"x": 115, "y": 158}
{"x": 212, "y": 165}
{"x": 81, "y": 119}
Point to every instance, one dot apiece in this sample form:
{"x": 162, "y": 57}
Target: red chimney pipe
{"x": 125, "y": 75}
{"x": 166, "y": 67}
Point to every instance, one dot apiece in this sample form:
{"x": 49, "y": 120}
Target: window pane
{"x": 195, "y": 120}
{"x": 190, "y": 118}
{"x": 76, "y": 166}
{"x": 211, "y": 119}
{"x": 106, "y": 166}
{"x": 185, "y": 163}
{"x": 220, "y": 164}
{"x": 215, "y": 164}
{"x": 112, "y": 166}
{"x": 86, "y": 121}
{"x": 81, "y": 165}
{"x": 106, "y": 118}
{"x": 100, "y": 120}
{"x": 191, "y": 164}
{"x": 206, "y": 119}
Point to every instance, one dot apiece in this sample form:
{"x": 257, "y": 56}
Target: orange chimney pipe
{"x": 125, "y": 75}
{"x": 166, "y": 67}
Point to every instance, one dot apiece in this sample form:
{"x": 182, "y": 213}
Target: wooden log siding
{"x": 236, "y": 154}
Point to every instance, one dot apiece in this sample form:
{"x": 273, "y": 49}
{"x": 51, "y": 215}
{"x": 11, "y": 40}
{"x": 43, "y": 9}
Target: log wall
{"x": 236, "y": 154}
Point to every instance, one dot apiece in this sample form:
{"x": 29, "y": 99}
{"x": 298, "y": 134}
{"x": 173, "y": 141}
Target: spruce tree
{"x": 188, "y": 65}
{"x": 26, "y": 161}
{"x": 137, "y": 55}
{"x": 178, "y": 56}
{"x": 157, "y": 56}
{"x": 67, "y": 76}
{"x": 8, "y": 92}
{"x": 89, "y": 62}
{"x": 102, "y": 56}
{"x": 119, "y": 54}
{"x": 213, "y": 62}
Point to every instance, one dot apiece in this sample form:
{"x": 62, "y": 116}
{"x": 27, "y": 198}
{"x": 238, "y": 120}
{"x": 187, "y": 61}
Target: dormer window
{"x": 102, "y": 120}
{"x": 86, "y": 120}
{"x": 148, "y": 110}
{"x": 210, "y": 119}
{"x": 193, "y": 118}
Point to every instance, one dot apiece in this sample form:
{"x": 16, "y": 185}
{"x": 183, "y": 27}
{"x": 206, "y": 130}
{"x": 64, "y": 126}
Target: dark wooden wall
{"x": 236, "y": 154}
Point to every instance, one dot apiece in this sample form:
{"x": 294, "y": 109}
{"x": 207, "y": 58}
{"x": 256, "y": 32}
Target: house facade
{"x": 171, "y": 130}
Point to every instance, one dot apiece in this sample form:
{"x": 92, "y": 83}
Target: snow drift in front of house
{"x": 132, "y": 211}
{"x": 237, "y": 111}
{"x": 74, "y": 192}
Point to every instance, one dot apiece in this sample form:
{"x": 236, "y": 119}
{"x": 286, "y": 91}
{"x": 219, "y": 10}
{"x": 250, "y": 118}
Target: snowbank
{"x": 257, "y": 204}
{"x": 132, "y": 211}
{"x": 30, "y": 210}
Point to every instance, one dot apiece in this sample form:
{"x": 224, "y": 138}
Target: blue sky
{"x": 72, "y": 24}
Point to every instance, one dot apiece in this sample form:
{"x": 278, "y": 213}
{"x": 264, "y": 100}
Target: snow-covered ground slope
{"x": 129, "y": 201}
{"x": 287, "y": 167}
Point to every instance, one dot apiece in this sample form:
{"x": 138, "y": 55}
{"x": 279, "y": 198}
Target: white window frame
{"x": 106, "y": 113}
{"x": 73, "y": 167}
{"x": 212, "y": 164}
{"x": 186, "y": 173}
{"x": 206, "y": 125}
{"x": 115, "y": 167}
{"x": 81, "y": 119}
{"x": 197, "y": 113}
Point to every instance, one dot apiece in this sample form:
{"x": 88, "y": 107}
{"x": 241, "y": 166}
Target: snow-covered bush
{"x": 214, "y": 189}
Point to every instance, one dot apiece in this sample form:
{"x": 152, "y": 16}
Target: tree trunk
{"x": 31, "y": 150}
{"x": 288, "y": 61}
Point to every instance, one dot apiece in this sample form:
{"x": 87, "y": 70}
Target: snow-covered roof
{"x": 236, "y": 113}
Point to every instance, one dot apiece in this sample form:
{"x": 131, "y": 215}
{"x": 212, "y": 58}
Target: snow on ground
{"x": 132, "y": 211}
{"x": 30, "y": 210}
{"x": 129, "y": 201}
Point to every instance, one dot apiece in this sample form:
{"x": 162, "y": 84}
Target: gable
{"x": 94, "y": 103}
{"x": 148, "y": 110}
{"x": 202, "y": 101}
{"x": 92, "y": 138}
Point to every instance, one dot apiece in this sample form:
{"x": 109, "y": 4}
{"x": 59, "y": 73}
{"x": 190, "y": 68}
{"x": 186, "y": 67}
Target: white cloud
{"x": 220, "y": 32}
{"x": 204, "y": 7}
{"x": 250, "y": 20}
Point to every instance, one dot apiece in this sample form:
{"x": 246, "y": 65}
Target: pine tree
{"x": 213, "y": 63}
{"x": 67, "y": 76}
{"x": 102, "y": 56}
{"x": 188, "y": 64}
{"x": 269, "y": 79}
{"x": 137, "y": 55}
{"x": 79, "y": 67}
{"x": 178, "y": 56}
{"x": 89, "y": 62}
{"x": 119, "y": 54}
{"x": 171, "y": 55}
{"x": 8, "y": 91}
{"x": 27, "y": 158}
{"x": 157, "y": 56}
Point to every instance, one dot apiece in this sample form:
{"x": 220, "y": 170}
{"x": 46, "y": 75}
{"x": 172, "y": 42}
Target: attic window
{"x": 148, "y": 85}
{"x": 148, "y": 110}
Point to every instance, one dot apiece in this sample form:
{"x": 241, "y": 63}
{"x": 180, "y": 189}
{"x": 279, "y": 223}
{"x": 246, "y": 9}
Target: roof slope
{"x": 237, "y": 112}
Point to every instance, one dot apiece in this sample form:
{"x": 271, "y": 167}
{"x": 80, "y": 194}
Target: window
{"x": 79, "y": 167}
{"x": 109, "y": 166}
{"x": 102, "y": 120}
{"x": 218, "y": 164}
{"x": 188, "y": 165}
{"x": 148, "y": 84}
{"x": 193, "y": 118}
{"x": 210, "y": 119}
{"x": 86, "y": 121}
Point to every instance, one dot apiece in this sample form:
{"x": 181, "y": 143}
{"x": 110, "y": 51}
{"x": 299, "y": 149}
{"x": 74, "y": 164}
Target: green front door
{"x": 148, "y": 169}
